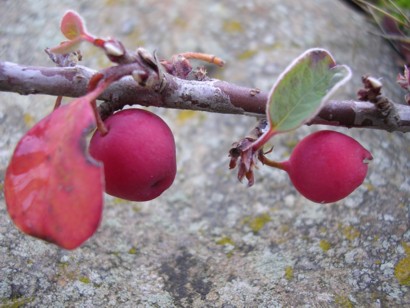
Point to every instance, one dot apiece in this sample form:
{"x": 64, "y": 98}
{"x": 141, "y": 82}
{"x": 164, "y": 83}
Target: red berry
{"x": 138, "y": 154}
{"x": 327, "y": 166}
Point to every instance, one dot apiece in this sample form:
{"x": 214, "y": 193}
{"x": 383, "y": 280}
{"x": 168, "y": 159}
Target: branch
{"x": 211, "y": 95}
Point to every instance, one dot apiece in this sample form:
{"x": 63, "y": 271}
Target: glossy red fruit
{"x": 138, "y": 154}
{"x": 327, "y": 166}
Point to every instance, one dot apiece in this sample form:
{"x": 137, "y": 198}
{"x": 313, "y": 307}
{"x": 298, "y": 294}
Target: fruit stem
{"x": 57, "y": 104}
{"x": 272, "y": 163}
{"x": 102, "y": 128}
{"x": 265, "y": 137}
{"x": 92, "y": 85}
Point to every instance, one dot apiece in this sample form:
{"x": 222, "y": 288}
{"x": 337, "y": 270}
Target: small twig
{"x": 203, "y": 57}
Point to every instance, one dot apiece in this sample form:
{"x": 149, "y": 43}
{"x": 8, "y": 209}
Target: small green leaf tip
{"x": 304, "y": 86}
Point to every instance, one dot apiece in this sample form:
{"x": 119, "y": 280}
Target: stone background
{"x": 210, "y": 241}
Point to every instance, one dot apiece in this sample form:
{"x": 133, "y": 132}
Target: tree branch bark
{"x": 207, "y": 95}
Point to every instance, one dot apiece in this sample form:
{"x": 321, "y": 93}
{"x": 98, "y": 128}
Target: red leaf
{"x": 73, "y": 28}
{"x": 53, "y": 188}
{"x": 67, "y": 46}
{"x": 72, "y": 25}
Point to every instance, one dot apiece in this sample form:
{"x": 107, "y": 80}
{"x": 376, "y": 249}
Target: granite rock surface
{"x": 210, "y": 241}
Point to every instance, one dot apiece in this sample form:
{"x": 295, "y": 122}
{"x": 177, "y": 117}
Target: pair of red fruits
{"x": 139, "y": 159}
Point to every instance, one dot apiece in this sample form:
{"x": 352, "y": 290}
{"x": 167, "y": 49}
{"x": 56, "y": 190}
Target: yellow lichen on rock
{"x": 402, "y": 268}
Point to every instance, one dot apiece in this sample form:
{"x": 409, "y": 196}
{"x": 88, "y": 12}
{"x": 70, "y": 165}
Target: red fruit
{"x": 138, "y": 154}
{"x": 327, "y": 166}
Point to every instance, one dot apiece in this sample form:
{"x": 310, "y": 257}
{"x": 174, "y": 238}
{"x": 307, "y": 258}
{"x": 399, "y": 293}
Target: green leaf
{"x": 302, "y": 88}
